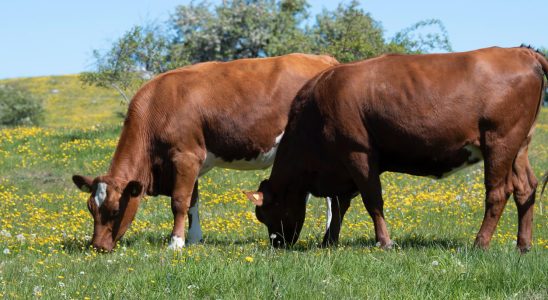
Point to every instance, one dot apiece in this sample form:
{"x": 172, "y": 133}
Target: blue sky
{"x": 57, "y": 37}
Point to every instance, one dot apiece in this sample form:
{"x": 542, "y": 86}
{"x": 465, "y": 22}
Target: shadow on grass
{"x": 76, "y": 245}
{"x": 162, "y": 241}
{"x": 411, "y": 242}
{"x": 404, "y": 243}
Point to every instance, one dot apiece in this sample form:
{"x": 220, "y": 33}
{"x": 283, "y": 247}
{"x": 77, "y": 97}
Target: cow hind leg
{"x": 339, "y": 206}
{"x": 525, "y": 184}
{"x": 195, "y": 234}
{"x": 499, "y": 156}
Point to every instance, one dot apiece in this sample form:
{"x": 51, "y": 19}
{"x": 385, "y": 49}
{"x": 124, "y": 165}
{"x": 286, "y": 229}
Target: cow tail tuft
{"x": 544, "y": 181}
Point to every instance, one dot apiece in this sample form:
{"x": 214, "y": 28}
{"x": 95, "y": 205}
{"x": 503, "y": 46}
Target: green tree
{"x": 134, "y": 58}
{"x": 423, "y": 37}
{"x": 348, "y": 33}
{"x": 252, "y": 28}
{"x": 239, "y": 29}
{"x": 288, "y": 33}
{"x": 19, "y": 107}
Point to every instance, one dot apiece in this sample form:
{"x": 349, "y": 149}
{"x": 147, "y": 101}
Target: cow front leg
{"x": 195, "y": 234}
{"x": 374, "y": 204}
{"x": 364, "y": 170}
{"x": 187, "y": 166}
{"x": 337, "y": 207}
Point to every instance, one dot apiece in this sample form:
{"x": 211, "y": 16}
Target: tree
{"x": 348, "y": 33}
{"x": 423, "y": 37}
{"x": 239, "y": 29}
{"x": 288, "y": 33}
{"x": 252, "y": 28}
{"x": 19, "y": 107}
{"x": 135, "y": 57}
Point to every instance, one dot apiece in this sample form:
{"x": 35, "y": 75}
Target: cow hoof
{"x": 481, "y": 243}
{"x": 524, "y": 249}
{"x": 386, "y": 245}
{"x": 327, "y": 244}
{"x": 194, "y": 240}
{"x": 176, "y": 243}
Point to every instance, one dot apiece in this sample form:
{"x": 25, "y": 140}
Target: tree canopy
{"x": 200, "y": 32}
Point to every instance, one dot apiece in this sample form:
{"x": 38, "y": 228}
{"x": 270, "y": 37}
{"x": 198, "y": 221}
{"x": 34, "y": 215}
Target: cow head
{"x": 281, "y": 211}
{"x": 112, "y": 206}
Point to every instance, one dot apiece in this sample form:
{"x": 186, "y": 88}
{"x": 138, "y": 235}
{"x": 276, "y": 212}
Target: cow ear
{"x": 83, "y": 183}
{"x": 255, "y": 197}
{"x": 134, "y": 188}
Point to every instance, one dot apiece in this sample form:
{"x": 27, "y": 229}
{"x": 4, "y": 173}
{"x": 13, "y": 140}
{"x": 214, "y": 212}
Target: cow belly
{"x": 474, "y": 157}
{"x": 262, "y": 161}
{"x": 437, "y": 167}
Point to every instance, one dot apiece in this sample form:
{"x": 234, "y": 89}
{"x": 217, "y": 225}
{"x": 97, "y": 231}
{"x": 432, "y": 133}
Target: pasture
{"x": 45, "y": 228}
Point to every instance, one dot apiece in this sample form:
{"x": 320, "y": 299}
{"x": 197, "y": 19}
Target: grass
{"x": 45, "y": 230}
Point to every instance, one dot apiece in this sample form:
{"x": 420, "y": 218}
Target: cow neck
{"x": 131, "y": 159}
{"x": 282, "y": 174}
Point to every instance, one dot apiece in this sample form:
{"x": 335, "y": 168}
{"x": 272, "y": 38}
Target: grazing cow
{"x": 187, "y": 121}
{"x": 426, "y": 115}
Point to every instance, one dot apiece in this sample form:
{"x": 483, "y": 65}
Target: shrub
{"x": 19, "y": 107}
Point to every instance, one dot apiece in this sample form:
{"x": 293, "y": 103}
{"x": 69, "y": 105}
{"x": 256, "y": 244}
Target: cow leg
{"x": 495, "y": 200}
{"x": 365, "y": 173}
{"x": 187, "y": 166}
{"x": 194, "y": 230}
{"x": 372, "y": 199}
{"x": 499, "y": 157}
{"x": 525, "y": 185}
{"x": 337, "y": 207}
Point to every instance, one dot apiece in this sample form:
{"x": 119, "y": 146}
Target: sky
{"x": 57, "y": 37}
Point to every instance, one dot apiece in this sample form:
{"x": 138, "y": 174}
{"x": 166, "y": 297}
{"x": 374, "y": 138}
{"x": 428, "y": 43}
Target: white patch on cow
{"x": 194, "y": 231}
{"x": 475, "y": 157}
{"x": 100, "y": 193}
{"x": 262, "y": 161}
{"x": 329, "y": 213}
{"x": 176, "y": 243}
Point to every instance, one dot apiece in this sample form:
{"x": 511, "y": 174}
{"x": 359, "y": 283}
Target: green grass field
{"x": 45, "y": 228}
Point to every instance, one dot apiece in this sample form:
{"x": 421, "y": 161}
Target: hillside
{"x": 69, "y": 103}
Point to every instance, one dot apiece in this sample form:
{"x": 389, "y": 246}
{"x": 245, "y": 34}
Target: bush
{"x": 19, "y": 107}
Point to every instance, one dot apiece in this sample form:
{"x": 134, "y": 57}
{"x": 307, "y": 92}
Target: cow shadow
{"x": 73, "y": 246}
{"x": 407, "y": 242}
{"x": 410, "y": 242}
{"x": 161, "y": 241}
{"x": 403, "y": 243}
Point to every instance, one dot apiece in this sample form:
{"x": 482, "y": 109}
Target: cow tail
{"x": 543, "y": 62}
{"x": 544, "y": 181}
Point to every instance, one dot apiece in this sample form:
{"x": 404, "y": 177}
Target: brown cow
{"x": 426, "y": 115}
{"x": 187, "y": 121}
